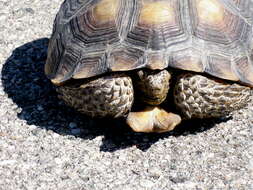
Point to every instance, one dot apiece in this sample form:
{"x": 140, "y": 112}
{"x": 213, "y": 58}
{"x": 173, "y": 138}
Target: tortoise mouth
{"x": 152, "y": 100}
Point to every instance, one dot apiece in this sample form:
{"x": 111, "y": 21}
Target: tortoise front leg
{"x": 107, "y": 96}
{"x": 198, "y": 96}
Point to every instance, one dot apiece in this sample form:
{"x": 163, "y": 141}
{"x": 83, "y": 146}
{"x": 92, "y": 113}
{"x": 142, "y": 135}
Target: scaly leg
{"x": 198, "y": 96}
{"x": 107, "y": 96}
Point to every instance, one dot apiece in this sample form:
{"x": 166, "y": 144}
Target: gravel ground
{"x": 46, "y": 145}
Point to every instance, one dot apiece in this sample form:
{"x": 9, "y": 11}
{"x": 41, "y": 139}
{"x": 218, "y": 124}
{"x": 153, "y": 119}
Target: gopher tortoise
{"x": 174, "y": 59}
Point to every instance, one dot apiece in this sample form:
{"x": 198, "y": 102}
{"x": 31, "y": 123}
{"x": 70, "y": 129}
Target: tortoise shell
{"x": 92, "y": 37}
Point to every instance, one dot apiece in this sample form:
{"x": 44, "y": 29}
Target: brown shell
{"x": 92, "y": 37}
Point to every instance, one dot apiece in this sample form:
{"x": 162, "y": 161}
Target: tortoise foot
{"x": 153, "y": 119}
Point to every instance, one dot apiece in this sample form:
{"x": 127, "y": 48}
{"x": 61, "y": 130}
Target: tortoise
{"x": 106, "y": 56}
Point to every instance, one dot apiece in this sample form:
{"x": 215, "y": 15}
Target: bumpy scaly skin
{"x": 197, "y": 96}
{"x": 108, "y": 96}
{"x": 152, "y": 86}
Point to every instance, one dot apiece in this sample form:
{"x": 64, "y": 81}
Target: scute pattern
{"x": 89, "y": 30}
{"x": 150, "y": 32}
{"x": 220, "y": 66}
{"x": 215, "y": 23}
{"x": 244, "y": 68}
{"x": 92, "y": 37}
{"x": 90, "y": 65}
{"x": 242, "y": 8}
{"x": 55, "y": 51}
{"x": 125, "y": 59}
{"x": 187, "y": 59}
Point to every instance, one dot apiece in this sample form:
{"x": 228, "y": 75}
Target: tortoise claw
{"x": 153, "y": 119}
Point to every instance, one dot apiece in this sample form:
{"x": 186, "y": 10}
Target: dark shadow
{"x": 25, "y": 83}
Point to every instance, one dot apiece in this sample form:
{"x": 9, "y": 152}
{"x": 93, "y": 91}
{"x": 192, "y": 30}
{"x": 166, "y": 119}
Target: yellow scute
{"x": 210, "y": 11}
{"x": 156, "y": 13}
{"x": 106, "y": 10}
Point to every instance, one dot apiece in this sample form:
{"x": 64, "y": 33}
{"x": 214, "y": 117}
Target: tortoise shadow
{"x": 25, "y": 83}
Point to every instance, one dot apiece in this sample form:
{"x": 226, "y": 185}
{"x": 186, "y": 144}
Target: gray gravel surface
{"x": 46, "y": 145}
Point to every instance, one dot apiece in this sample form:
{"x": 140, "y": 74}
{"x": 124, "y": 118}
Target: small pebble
{"x": 146, "y": 183}
{"x": 72, "y": 125}
{"x": 39, "y": 108}
{"x": 76, "y": 131}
